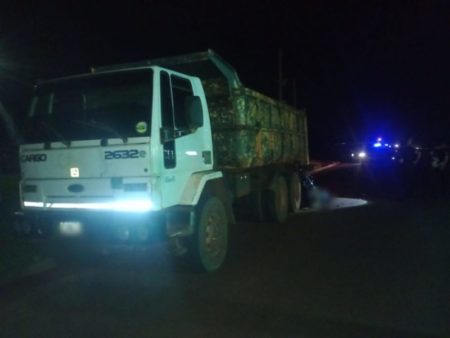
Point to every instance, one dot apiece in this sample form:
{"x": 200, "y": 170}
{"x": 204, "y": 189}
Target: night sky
{"x": 361, "y": 70}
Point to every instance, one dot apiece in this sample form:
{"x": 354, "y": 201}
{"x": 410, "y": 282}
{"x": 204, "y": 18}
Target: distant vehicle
{"x": 377, "y": 152}
{"x": 168, "y": 146}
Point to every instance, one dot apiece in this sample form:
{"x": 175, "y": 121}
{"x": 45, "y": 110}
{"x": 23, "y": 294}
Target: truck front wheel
{"x": 210, "y": 240}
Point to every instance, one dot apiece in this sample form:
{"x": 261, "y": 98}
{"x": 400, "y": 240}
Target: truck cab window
{"x": 167, "y": 120}
{"x": 88, "y": 107}
{"x": 166, "y": 101}
{"x": 181, "y": 89}
{"x": 176, "y": 93}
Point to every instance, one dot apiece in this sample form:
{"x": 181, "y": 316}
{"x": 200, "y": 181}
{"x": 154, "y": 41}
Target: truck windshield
{"x": 114, "y": 105}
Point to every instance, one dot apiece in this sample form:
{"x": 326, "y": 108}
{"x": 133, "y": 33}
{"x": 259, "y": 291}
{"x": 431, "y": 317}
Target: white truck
{"x": 166, "y": 147}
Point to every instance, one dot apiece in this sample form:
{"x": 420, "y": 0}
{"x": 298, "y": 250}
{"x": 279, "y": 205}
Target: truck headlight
{"x": 132, "y": 205}
{"x": 138, "y": 205}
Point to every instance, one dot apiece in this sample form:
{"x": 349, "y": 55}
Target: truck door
{"x": 189, "y": 149}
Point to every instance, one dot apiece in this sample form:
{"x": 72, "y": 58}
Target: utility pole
{"x": 280, "y": 74}
{"x": 294, "y": 92}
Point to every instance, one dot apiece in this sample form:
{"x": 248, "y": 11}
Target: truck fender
{"x": 195, "y": 185}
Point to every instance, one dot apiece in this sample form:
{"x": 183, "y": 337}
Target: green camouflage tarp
{"x": 250, "y": 129}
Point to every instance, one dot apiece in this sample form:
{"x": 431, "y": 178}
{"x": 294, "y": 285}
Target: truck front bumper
{"x": 104, "y": 226}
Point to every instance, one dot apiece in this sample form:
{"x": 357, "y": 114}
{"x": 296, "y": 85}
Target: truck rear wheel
{"x": 277, "y": 200}
{"x": 295, "y": 192}
{"x": 210, "y": 240}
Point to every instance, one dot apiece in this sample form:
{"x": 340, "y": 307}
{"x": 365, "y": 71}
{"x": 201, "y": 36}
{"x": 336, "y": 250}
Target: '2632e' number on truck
{"x": 162, "y": 148}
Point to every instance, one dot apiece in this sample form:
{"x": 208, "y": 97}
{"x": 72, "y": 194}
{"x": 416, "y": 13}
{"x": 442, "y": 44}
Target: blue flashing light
{"x": 377, "y": 144}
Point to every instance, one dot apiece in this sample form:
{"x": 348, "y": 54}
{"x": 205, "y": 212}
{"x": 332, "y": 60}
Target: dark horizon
{"x": 361, "y": 70}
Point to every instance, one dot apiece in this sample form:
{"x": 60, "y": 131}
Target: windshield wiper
{"x": 103, "y": 127}
{"x": 55, "y": 132}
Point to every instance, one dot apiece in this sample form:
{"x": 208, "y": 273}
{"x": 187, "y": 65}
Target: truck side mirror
{"x": 194, "y": 111}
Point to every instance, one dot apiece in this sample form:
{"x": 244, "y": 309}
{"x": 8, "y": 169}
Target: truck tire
{"x": 295, "y": 193}
{"x": 209, "y": 243}
{"x": 278, "y": 201}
